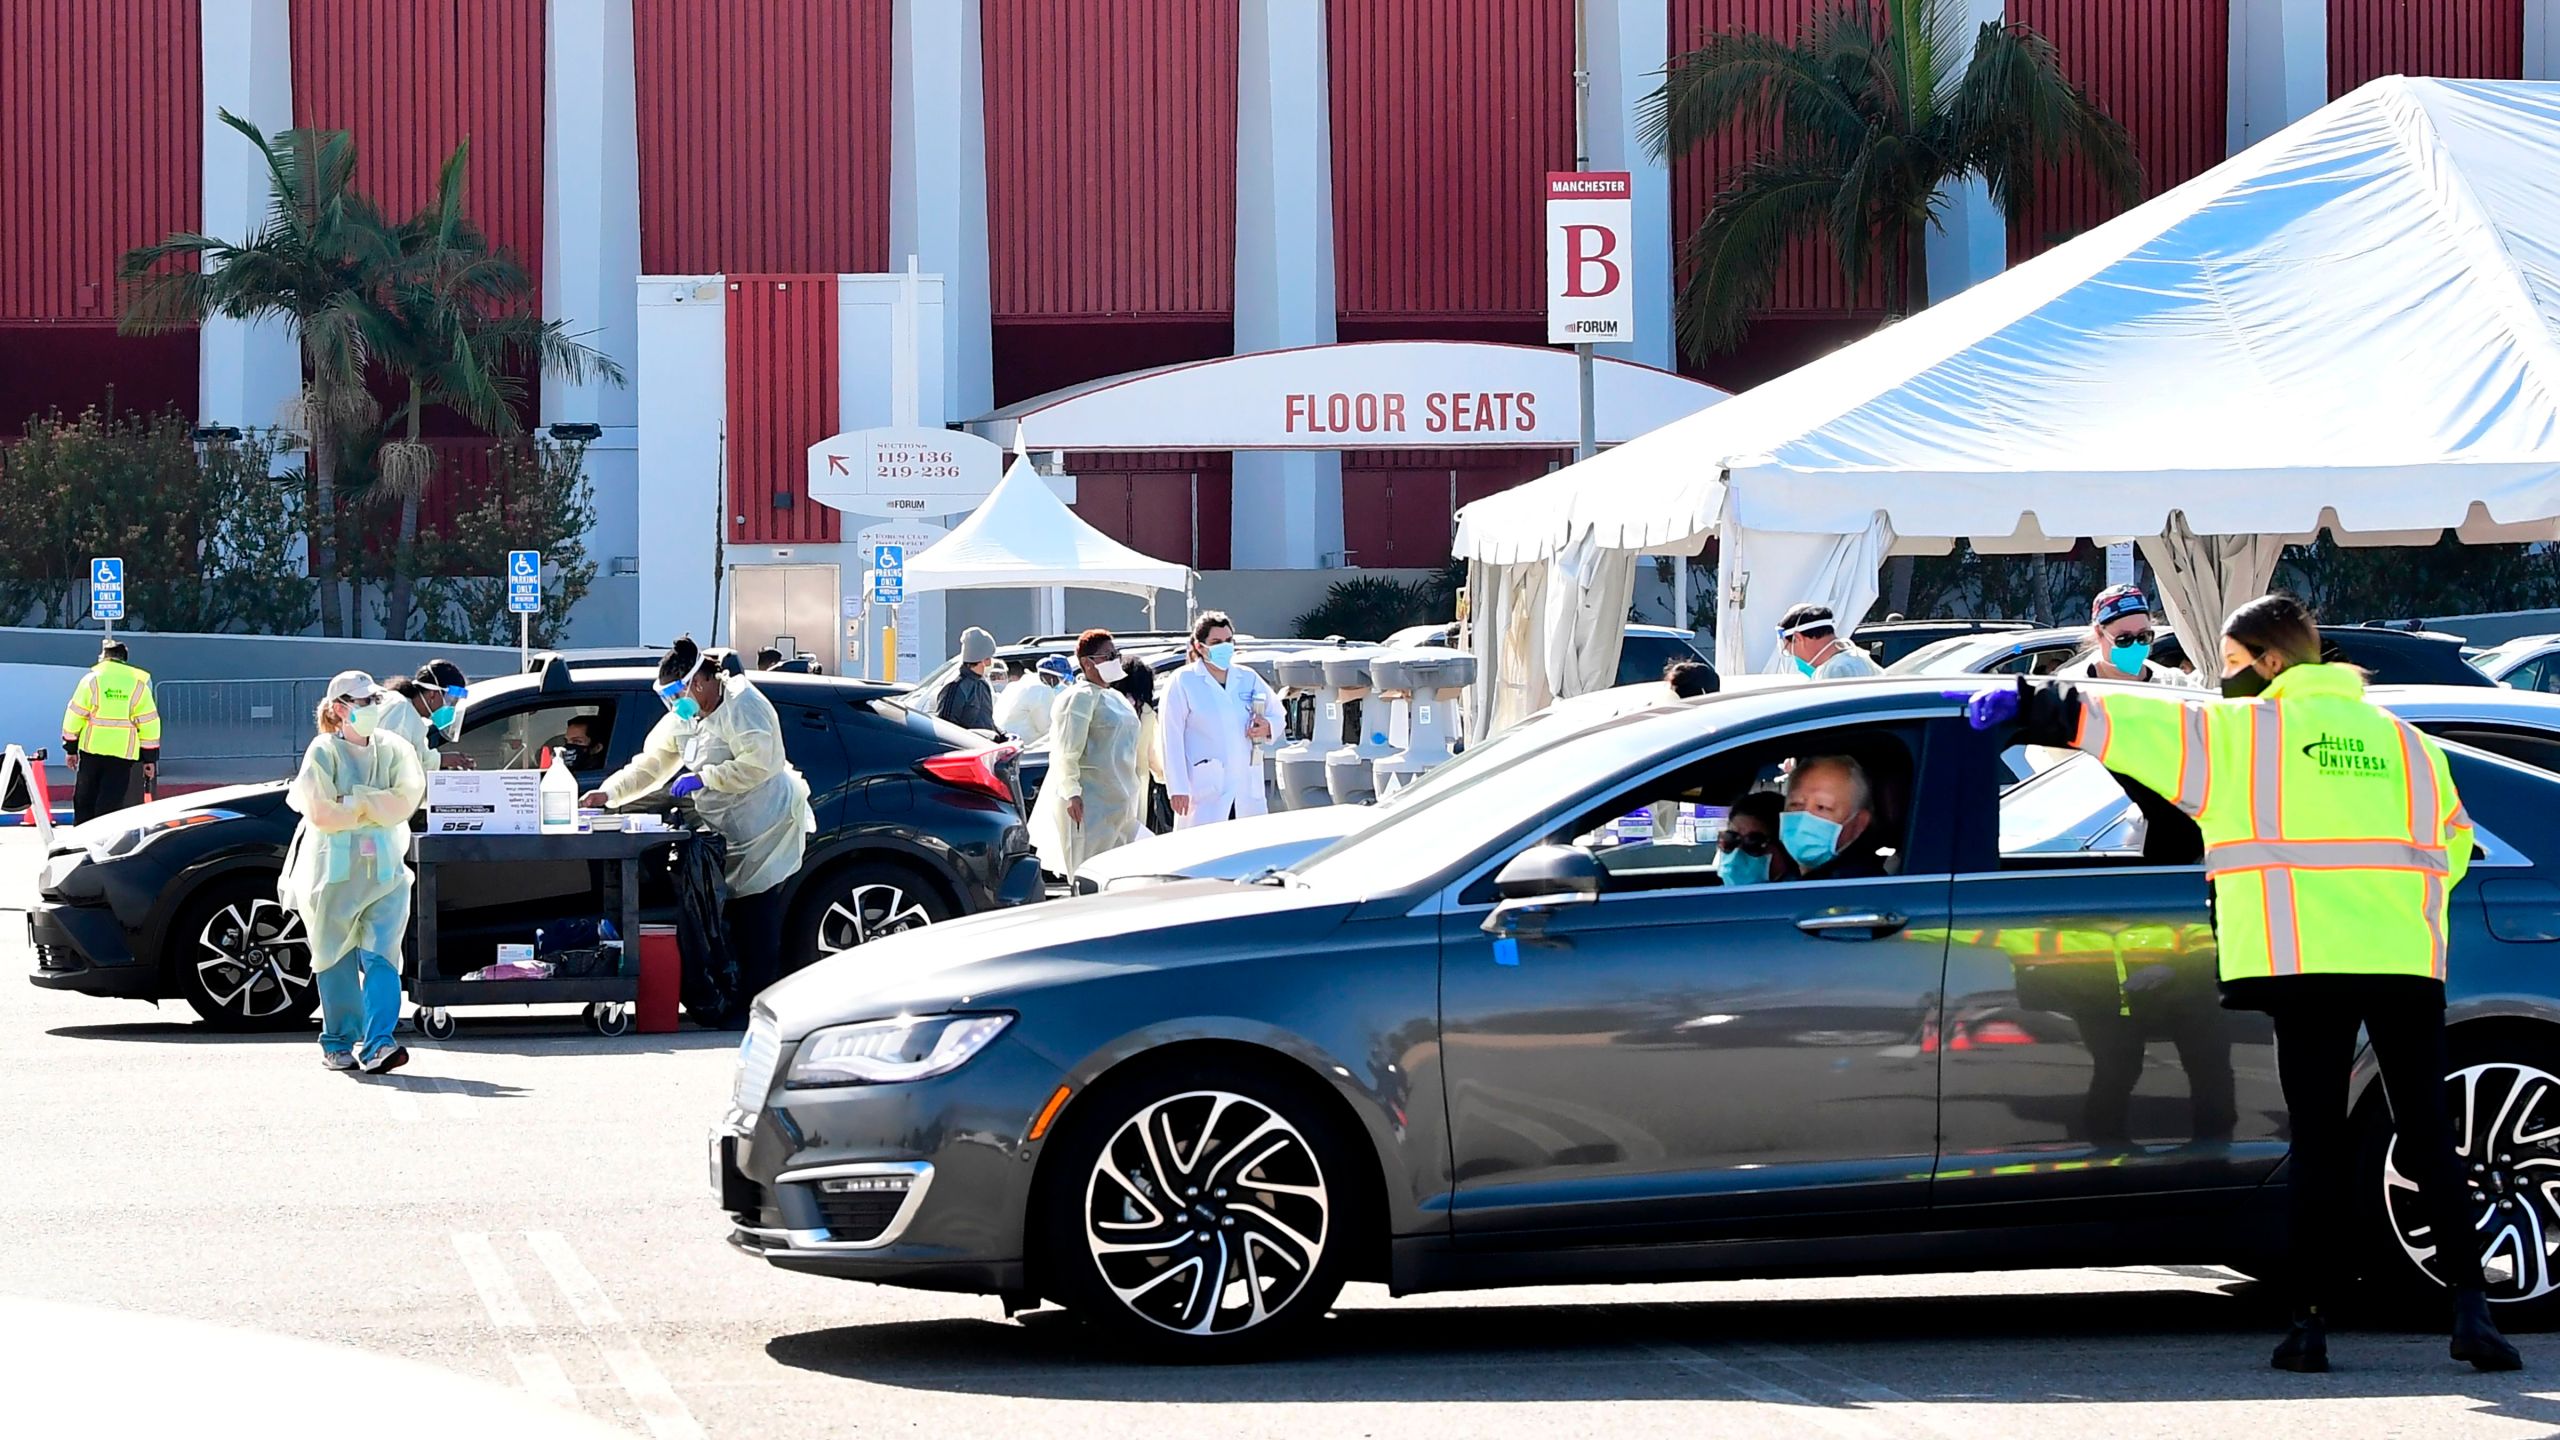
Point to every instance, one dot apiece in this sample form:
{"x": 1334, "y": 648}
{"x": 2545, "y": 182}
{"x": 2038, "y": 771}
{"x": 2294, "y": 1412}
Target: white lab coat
{"x": 1850, "y": 663}
{"x": 1206, "y": 754}
{"x": 751, "y": 793}
{"x": 1025, "y": 708}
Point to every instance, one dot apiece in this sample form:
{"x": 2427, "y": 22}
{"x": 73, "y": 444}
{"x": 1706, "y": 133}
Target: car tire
{"x": 1115, "y": 1240}
{"x": 2504, "y": 1087}
{"x": 240, "y": 959}
{"x": 851, "y": 905}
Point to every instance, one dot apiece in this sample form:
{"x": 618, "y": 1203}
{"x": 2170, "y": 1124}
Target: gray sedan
{"x": 1517, "y": 1032}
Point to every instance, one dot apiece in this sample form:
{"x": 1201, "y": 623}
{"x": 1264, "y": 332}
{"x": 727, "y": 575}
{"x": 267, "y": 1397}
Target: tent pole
{"x": 1587, "y": 445}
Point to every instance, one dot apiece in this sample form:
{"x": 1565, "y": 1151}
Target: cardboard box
{"x": 484, "y": 802}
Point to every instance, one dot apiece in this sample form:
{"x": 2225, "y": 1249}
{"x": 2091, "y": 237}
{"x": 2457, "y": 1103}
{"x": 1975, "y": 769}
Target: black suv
{"x": 917, "y": 821}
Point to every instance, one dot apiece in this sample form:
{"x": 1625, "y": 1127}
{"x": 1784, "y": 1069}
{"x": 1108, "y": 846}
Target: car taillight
{"x": 976, "y": 770}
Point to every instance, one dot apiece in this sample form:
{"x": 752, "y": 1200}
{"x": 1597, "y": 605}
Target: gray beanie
{"x": 976, "y": 645}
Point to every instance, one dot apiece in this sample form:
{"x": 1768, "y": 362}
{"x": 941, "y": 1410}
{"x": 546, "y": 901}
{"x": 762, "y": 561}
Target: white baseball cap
{"x": 352, "y": 685}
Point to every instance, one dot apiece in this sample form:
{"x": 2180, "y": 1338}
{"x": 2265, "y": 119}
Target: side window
{"x": 515, "y": 739}
{"x": 2020, "y": 663}
{"x": 2542, "y": 752}
{"x": 2071, "y": 812}
{"x": 1642, "y": 658}
{"x": 1667, "y": 833}
{"x": 2546, "y": 676}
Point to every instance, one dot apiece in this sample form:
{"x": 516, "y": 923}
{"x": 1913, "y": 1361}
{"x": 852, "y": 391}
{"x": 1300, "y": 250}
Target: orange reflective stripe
{"x": 2095, "y": 730}
{"x": 2284, "y": 937}
{"x": 2195, "y": 762}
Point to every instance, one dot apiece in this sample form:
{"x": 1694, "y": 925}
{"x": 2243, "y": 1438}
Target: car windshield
{"x": 1927, "y": 659}
{"x": 1440, "y": 825}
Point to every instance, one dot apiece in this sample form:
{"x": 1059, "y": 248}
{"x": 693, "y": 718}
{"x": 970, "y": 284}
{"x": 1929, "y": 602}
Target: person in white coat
{"x": 1095, "y": 798}
{"x": 1215, "y": 713}
{"x": 1025, "y": 708}
{"x": 2120, "y": 639}
{"x": 1811, "y": 638}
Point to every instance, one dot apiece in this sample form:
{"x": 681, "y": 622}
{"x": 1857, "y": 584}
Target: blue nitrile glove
{"x": 1987, "y": 708}
{"x": 689, "y": 784}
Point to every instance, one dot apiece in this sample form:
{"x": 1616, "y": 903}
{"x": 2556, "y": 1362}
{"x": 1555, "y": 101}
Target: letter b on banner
{"x": 1590, "y": 229}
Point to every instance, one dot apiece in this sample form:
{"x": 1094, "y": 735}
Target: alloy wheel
{"x": 867, "y": 912}
{"x": 1207, "y": 1213}
{"x": 2506, "y": 1131}
{"x": 254, "y": 959}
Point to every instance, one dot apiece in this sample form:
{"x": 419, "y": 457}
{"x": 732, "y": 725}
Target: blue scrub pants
{"x": 359, "y": 1004}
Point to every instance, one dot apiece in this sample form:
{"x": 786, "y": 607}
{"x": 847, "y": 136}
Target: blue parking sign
{"x": 106, "y": 587}
{"x": 524, "y": 582}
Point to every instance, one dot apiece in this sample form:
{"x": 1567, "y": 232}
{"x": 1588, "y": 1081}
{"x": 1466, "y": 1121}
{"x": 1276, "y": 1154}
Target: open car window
{"x": 515, "y": 739}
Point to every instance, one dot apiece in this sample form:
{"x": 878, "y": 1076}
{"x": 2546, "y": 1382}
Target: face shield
{"x": 673, "y": 696}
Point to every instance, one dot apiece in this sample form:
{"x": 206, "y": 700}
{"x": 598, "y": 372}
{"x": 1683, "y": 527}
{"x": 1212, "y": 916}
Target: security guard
{"x": 112, "y": 721}
{"x": 2333, "y": 837}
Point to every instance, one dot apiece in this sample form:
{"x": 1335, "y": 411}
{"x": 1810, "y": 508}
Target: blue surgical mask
{"x": 687, "y": 708}
{"x": 1741, "y": 867}
{"x": 2129, "y": 659}
{"x": 1804, "y": 667}
{"x": 443, "y": 718}
{"x": 1813, "y": 841}
{"x": 1223, "y": 654}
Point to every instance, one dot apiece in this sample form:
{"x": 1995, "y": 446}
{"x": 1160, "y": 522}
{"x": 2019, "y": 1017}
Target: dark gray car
{"x": 1517, "y": 1032}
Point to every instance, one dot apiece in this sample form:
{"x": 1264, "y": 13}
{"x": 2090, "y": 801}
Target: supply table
{"x": 608, "y": 998}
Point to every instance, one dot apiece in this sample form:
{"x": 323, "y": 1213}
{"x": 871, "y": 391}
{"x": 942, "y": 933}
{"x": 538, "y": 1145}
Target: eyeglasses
{"x": 1749, "y": 842}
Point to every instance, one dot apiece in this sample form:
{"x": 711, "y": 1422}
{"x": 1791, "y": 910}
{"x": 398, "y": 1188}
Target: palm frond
{"x": 1732, "y": 262}
{"x": 1754, "y": 81}
{"x": 1929, "y": 45}
{"x": 2017, "y": 114}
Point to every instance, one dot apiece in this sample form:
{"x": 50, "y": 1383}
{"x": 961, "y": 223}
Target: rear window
{"x": 942, "y": 734}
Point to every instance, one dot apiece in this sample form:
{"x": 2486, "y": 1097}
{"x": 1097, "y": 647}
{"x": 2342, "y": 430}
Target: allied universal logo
{"x": 2345, "y": 755}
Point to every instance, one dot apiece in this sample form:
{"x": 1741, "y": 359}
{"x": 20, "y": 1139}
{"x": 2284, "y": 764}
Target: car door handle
{"x": 1858, "y": 925}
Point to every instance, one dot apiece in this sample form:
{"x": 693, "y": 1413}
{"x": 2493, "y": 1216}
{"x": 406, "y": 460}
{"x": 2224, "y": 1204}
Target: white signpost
{"x": 913, "y": 471}
{"x": 524, "y": 597}
{"x": 1591, "y": 296}
{"x": 106, "y": 590}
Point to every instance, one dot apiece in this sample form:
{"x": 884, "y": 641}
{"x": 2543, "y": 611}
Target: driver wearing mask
{"x": 1828, "y": 823}
{"x": 578, "y": 747}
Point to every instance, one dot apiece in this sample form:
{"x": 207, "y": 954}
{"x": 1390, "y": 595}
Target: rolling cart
{"x": 609, "y": 998}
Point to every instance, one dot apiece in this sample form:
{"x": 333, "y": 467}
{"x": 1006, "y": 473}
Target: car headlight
{"x": 126, "y": 842}
{"x": 886, "y": 1052}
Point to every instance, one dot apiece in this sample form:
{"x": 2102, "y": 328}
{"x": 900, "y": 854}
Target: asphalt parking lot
{"x": 526, "y": 1206}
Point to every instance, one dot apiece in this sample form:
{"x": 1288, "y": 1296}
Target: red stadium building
{"x": 1100, "y": 188}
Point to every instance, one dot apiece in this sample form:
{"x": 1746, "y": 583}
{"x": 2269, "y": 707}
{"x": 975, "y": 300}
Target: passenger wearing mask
{"x": 346, "y": 875}
{"x": 2120, "y": 638}
{"x": 720, "y": 746}
{"x": 1095, "y": 798}
{"x": 967, "y": 700}
{"x": 1215, "y": 712}
{"x": 1023, "y": 710}
{"x": 1827, "y": 826}
{"x": 1748, "y": 853}
{"x": 1812, "y": 639}
{"x": 579, "y": 748}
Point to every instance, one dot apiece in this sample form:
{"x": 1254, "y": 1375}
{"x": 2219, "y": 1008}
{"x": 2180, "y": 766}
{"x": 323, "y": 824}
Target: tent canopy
{"x": 1025, "y": 536}
{"x": 2352, "y": 325}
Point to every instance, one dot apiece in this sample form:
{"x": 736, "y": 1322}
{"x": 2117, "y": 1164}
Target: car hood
{"x": 246, "y": 799}
{"x": 989, "y": 958}
{"x": 1233, "y": 850}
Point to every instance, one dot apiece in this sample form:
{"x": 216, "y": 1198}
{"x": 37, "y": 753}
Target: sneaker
{"x": 337, "y": 1060}
{"x": 385, "y": 1060}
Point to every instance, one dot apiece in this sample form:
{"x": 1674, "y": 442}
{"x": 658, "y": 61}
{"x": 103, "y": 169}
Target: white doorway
{"x": 791, "y": 608}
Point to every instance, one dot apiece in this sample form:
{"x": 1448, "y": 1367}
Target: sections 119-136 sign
{"x": 908, "y": 470}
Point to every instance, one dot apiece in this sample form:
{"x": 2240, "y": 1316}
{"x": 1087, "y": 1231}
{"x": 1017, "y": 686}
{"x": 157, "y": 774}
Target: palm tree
{"x": 1876, "y": 113}
{"x": 457, "y": 328}
{"x": 317, "y": 263}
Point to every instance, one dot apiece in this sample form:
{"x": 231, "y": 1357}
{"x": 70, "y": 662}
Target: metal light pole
{"x": 1587, "y": 445}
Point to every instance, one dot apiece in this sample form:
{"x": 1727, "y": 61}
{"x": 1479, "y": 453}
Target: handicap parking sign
{"x": 524, "y": 582}
{"x": 889, "y": 557}
{"x": 106, "y": 587}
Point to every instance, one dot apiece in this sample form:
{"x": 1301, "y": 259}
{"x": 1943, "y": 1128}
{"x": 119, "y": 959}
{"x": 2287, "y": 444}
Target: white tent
{"x": 1024, "y": 536}
{"x": 2353, "y": 325}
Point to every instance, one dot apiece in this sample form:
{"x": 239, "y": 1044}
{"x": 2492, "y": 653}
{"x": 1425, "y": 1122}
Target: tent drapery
{"x": 2353, "y": 325}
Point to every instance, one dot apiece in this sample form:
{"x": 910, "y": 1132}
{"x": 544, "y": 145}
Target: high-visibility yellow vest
{"x": 112, "y": 713}
{"x": 2332, "y": 831}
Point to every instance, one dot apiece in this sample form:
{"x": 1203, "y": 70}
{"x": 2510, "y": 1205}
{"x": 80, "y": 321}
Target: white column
{"x": 683, "y": 401}
{"x": 1973, "y": 246}
{"x": 2280, "y": 65}
{"x": 938, "y": 184}
{"x": 1288, "y": 505}
{"x": 1630, "y": 42}
{"x": 2542, "y": 39}
{"x": 590, "y": 263}
{"x": 249, "y": 370}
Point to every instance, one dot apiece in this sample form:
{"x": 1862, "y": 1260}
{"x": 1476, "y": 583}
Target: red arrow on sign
{"x": 835, "y": 465}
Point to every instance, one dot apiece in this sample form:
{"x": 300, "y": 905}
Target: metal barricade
{"x": 237, "y": 719}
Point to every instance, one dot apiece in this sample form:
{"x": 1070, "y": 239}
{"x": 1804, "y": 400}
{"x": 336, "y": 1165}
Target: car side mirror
{"x": 1537, "y": 883}
{"x": 1547, "y": 871}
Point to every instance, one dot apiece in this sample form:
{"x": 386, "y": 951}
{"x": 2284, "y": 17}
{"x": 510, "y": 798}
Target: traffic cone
{"x": 22, "y": 787}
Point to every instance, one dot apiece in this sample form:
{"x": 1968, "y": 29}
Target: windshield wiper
{"x": 1273, "y": 875}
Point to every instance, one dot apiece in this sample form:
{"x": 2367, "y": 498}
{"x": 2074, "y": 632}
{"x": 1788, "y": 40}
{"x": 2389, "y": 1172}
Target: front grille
{"x": 853, "y": 1219}
{"x": 55, "y": 957}
{"x": 757, "y": 1055}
